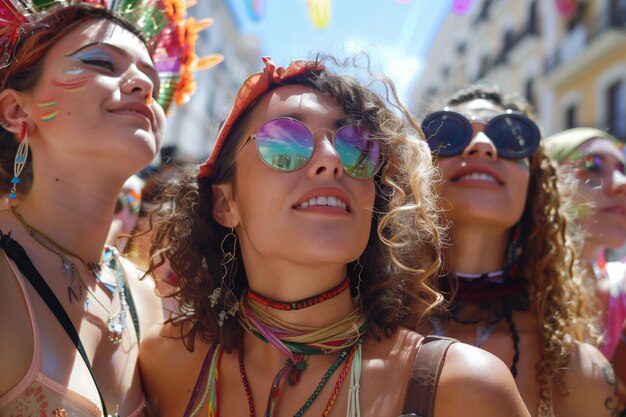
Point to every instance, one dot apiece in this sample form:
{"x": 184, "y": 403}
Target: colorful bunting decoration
{"x": 566, "y": 8}
{"x": 255, "y": 9}
{"x": 319, "y": 10}
{"x": 461, "y": 6}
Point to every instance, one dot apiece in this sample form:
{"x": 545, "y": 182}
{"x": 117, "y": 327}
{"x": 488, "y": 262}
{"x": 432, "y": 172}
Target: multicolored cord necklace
{"x": 297, "y": 342}
{"x": 275, "y": 391}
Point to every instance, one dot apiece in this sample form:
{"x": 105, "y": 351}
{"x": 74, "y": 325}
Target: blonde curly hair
{"x": 403, "y": 251}
{"x": 556, "y": 294}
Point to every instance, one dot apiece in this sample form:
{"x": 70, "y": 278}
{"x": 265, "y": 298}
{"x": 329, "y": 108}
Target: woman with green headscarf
{"x": 592, "y": 172}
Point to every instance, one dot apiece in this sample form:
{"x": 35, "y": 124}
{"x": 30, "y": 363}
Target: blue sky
{"x": 396, "y": 34}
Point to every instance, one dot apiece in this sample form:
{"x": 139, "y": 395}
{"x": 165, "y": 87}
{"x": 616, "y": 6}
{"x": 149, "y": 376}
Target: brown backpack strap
{"x": 419, "y": 399}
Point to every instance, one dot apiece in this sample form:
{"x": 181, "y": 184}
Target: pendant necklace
{"x": 116, "y": 322}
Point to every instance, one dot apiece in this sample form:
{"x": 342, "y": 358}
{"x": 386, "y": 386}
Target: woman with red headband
{"x": 80, "y": 109}
{"x": 509, "y": 266}
{"x": 303, "y": 247}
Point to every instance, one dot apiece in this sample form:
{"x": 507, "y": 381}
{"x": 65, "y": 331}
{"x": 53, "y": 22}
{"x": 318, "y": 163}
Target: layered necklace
{"x": 297, "y": 343}
{"x": 76, "y": 288}
{"x": 485, "y": 300}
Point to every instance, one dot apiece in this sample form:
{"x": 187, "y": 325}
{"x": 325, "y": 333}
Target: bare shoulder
{"x": 162, "y": 349}
{"x": 474, "y": 382}
{"x": 168, "y": 369}
{"x": 591, "y": 385}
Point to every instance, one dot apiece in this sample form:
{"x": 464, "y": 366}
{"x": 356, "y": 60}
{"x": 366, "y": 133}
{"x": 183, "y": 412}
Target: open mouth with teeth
{"x": 323, "y": 201}
{"x": 477, "y": 176}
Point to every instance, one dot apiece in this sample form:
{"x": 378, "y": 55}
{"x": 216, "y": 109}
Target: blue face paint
{"x": 523, "y": 163}
{"x": 96, "y": 56}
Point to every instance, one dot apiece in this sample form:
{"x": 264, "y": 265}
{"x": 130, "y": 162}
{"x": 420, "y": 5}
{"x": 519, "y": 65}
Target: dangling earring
{"x": 513, "y": 252}
{"x": 359, "y": 269}
{"x": 20, "y": 160}
{"x": 225, "y": 290}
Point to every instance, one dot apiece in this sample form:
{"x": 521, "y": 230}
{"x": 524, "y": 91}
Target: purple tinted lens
{"x": 284, "y": 144}
{"x": 360, "y": 156}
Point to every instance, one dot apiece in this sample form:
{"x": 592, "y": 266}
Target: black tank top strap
{"x": 16, "y": 252}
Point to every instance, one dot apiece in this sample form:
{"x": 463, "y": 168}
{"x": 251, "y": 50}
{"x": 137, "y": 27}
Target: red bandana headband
{"x": 255, "y": 86}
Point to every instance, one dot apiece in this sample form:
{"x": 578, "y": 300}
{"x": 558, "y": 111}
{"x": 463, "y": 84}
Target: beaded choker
{"x": 300, "y": 304}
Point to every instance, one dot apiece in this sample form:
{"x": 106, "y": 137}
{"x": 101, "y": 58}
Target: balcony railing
{"x": 530, "y": 28}
{"x": 582, "y": 35}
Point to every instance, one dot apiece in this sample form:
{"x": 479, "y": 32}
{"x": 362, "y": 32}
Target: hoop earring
{"x": 20, "y": 160}
{"x": 359, "y": 268}
{"x": 225, "y": 292}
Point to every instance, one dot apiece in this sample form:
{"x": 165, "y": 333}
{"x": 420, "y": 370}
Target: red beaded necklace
{"x": 300, "y": 304}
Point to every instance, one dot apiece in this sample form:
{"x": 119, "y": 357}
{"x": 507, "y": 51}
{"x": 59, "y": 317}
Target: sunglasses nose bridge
{"x": 325, "y": 158}
{"x": 482, "y": 145}
{"x": 323, "y": 133}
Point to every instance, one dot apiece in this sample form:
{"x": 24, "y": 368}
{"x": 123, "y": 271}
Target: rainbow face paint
{"x": 72, "y": 86}
{"x": 78, "y": 80}
{"x": 47, "y": 106}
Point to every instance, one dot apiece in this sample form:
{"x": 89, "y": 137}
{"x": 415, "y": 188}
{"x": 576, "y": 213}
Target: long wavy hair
{"x": 556, "y": 294}
{"x": 403, "y": 250}
{"x": 26, "y": 66}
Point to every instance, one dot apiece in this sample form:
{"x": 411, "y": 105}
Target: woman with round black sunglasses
{"x": 513, "y": 134}
{"x": 508, "y": 270}
{"x": 301, "y": 262}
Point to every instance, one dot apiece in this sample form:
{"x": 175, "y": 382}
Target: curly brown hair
{"x": 403, "y": 251}
{"x": 556, "y": 294}
{"x": 26, "y": 66}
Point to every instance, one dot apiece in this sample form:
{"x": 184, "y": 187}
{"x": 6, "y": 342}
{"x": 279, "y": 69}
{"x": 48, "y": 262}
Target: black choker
{"x": 488, "y": 298}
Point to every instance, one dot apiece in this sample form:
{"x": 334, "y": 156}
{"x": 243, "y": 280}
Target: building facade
{"x": 192, "y": 128}
{"x": 567, "y": 57}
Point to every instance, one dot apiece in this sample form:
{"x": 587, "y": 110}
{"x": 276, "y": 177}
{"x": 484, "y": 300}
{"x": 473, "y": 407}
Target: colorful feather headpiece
{"x": 164, "y": 24}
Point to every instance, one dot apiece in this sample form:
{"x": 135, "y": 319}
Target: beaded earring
{"x": 229, "y": 266}
{"x": 20, "y": 159}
